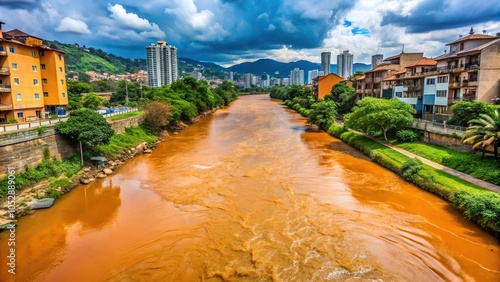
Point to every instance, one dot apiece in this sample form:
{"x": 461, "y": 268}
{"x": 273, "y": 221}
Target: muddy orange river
{"x": 251, "y": 193}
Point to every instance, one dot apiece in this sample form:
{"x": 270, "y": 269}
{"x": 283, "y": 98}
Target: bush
{"x": 408, "y": 135}
{"x": 157, "y": 116}
{"x": 12, "y": 120}
{"x": 336, "y": 130}
{"x": 410, "y": 168}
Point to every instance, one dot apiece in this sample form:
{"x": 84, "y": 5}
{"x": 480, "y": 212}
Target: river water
{"x": 251, "y": 194}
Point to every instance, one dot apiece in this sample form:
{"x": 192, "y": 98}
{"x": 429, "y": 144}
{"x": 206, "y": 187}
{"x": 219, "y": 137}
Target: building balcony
{"x": 453, "y": 100}
{"x": 469, "y": 97}
{"x": 454, "y": 84}
{"x": 414, "y": 88}
{"x": 4, "y": 71}
{"x": 5, "y": 88}
{"x": 5, "y": 107}
{"x": 3, "y": 53}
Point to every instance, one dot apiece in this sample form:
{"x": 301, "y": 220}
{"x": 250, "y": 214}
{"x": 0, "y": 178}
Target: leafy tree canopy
{"x": 464, "y": 111}
{"x": 371, "y": 114}
{"x": 79, "y": 87}
{"x": 92, "y": 101}
{"x": 323, "y": 114}
{"x": 344, "y": 97}
{"x": 86, "y": 126}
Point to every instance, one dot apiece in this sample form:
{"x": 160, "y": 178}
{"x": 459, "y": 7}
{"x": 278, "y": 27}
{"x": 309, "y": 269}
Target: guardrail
{"x": 436, "y": 127}
{"x": 120, "y": 112}
{"x": 21, "y": 126}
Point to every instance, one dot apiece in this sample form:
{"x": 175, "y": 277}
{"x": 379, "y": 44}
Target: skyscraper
{"x": 297, "y": 77}
{"x": 377, "y": 60}
{"x": 162, "y": 64}
{"x": 344, "y": 64}
{"x": 325, "y": 62}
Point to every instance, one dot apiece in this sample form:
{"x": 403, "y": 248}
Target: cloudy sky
{"x": 234, "y": 31}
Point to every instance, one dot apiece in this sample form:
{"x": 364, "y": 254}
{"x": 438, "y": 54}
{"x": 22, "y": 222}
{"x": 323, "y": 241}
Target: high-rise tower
{"x": 344, "y": 64}
{"x": 325, "y": 62}
{"x": 162, "y": 64}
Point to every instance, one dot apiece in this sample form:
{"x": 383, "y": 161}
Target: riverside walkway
{"x": 464, "y": 176}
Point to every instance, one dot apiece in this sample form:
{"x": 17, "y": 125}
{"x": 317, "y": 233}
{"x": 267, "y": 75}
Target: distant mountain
{"x": 271, "y": 66}
{"x": 81, "y": 59}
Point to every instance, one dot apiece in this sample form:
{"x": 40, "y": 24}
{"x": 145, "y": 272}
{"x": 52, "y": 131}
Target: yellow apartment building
{"x": 322, "y": 85}
{"x": 32, "y": 78}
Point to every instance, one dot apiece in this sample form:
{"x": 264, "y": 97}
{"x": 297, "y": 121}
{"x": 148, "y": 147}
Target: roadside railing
{"x": 120, "y": 112}
{"x": 27, "y": 125}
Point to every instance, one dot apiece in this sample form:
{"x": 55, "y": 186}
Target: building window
{"x": 37, "y": 96}
{"x": 399, "y": 94}
{"x": 33, "y": 53}
{"x": 442, "y": 79}
{"x": 35, "y": 81}
{"x": 42, "y": 53}
{"x": 16, "y": 81}
{"x": 64, "y": 95}
{"x": 12, "y": 50}
{"x": 44, "y": 80}
{"x": 431, "y": 81}
{"x": 20, "y": 115}
{"x": 34, "y": 68}
{"x": 59, "y": 57}
{"x": 42, "y": 66}
{"x": 45, "y": 94}
{"x": 60, "y": 69}
{"x": 14, "y": 66}
{"x": 441, "y": 93}
{"x": 19, "y": 97}
{"x": 461, "y": 46}
{"x": 62, "y": 81}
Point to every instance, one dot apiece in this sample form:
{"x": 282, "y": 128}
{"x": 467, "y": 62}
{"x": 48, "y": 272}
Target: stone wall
{"x": 29, "y": 153}
{"x": 120, "y": 125}
{"x": 445, "y": 141}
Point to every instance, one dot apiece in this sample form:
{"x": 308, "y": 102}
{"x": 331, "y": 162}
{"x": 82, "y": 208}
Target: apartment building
{"x": 345, "y": 62}
{"x": 162, "y": 64}
{"x": 469, "y": 71}
{"x": 408, "y": 84}
{"x": 322, "y": 85}
{"x": 371, "y": 83}
{"x": 32, "y": 78}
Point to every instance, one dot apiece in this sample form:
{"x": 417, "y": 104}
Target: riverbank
{"x": 480, "y": 205}
{"x": 65, "y": 175}
{"x": 476, "y": 203}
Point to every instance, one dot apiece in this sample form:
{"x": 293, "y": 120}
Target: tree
{"x": 79, "y": 87}
{"x": 92, "y": 101}
{"x": 323, "y": 114}
{"x": 344, "y": 97}
{"x": 86, "y": 126}
{"x": 464, "y": 111}
{"x": 371, "y": 114}
{"x": 483, "y": 132}
{"x": 157, "y": 115}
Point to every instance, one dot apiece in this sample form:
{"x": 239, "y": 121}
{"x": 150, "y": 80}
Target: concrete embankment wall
{"x": 25, "y": 147}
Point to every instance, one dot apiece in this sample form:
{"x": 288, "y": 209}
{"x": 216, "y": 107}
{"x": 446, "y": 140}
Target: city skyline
{"x": 227, "y": 33}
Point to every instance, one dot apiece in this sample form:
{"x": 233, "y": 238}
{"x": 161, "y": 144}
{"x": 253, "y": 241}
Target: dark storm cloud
{"x": 256, "y": 25}
{"x": 19, "y": 4}
{"x": 430, "y": 15}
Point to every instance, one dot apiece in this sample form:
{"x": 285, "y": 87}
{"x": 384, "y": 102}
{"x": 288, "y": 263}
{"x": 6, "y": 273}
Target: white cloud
{"x": 130, "y": 20}
{"x": 72, "y": 25}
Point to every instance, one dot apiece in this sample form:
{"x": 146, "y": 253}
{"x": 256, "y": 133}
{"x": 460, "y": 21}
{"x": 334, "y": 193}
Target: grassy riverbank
{"x": 57, "y": 172}
{"x": 132, "y": 137}
{"x": 487, "y": 169}
{"x": 477, "y": 204}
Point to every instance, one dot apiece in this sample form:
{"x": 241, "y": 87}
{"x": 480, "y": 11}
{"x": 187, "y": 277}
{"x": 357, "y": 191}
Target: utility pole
{"x": 126, "y": 92}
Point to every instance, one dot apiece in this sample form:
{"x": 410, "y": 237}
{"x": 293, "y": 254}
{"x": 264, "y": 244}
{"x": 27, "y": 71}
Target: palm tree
{"x": 483, "y": 132}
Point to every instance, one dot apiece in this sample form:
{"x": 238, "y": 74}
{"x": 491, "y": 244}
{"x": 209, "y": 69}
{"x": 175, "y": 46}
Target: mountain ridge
{"x": 81, "y": 59}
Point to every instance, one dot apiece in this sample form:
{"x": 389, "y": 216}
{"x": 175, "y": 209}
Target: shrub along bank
{"x": 487, "y": 169}
{"x": 477, "y": 204}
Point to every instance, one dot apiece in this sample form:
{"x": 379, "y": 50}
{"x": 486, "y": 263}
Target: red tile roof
{"x": 18, "y": 33}
{"x": 424, "y": 62}
{"x": 472, "y": 37}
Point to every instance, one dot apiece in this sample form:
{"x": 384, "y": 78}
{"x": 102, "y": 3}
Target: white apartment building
{"x": 162, "y": 64}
